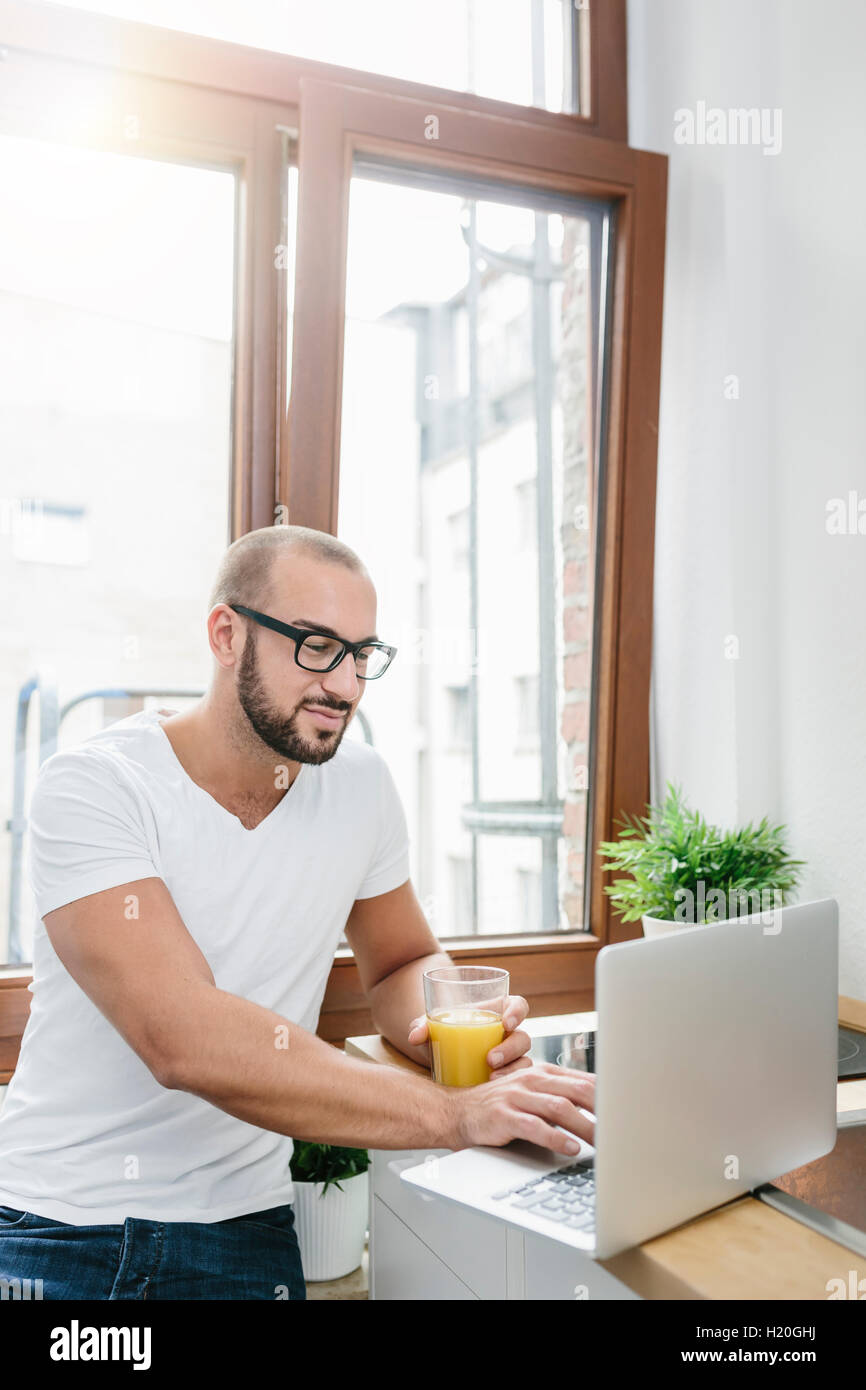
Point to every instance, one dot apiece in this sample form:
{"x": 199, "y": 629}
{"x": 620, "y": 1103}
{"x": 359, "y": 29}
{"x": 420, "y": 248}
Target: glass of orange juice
{"x": 464, "y": 1004}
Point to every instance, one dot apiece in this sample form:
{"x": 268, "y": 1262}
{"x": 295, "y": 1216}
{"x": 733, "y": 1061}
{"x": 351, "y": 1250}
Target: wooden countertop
{"x": 743, "y": 1250}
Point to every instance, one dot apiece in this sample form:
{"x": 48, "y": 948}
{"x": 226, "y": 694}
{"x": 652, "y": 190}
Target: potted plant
{"x": 685, "y": 872}
{"x": 331, "y": 1205}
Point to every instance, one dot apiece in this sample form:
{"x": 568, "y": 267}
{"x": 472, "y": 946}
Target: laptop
{"x": 716, "y": 1069}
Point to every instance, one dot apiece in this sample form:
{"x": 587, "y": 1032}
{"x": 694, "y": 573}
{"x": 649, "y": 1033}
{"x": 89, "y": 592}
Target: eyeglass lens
{"x": 317, "y": 653}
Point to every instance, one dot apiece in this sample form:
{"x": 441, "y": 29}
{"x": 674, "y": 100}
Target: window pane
{"x": 510, "y": 885}
{"x": 116, "y": 307}
{"x": 466, "y": 483}
{"x": 483, "y": 46}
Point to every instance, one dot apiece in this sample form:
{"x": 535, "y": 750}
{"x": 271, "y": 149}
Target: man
{"x": 194, "y": 874}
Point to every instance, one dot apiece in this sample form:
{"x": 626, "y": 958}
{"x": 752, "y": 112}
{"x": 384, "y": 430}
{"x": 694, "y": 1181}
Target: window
{"x": 126, "y": 376}
{"x": 488, "y": 380}
{"x": 421, "y": 241}
{"x": 432, "y": 261}
{"x": 116, "y": 283}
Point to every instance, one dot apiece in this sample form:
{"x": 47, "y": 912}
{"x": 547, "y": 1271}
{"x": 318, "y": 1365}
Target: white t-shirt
{"x": 87, "y": 1135}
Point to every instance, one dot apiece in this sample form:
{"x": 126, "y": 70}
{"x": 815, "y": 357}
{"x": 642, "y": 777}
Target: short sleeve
{"x": 86, "y": 831}
{"x": 389, "y": 867}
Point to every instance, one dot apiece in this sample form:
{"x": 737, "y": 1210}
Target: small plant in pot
{"x": 684, "y": 872}
{"x": 331, "y": 1205}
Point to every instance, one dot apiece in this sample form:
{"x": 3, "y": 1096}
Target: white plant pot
{"x": 659, "y": 926}
{"x": 331, "y": 1225}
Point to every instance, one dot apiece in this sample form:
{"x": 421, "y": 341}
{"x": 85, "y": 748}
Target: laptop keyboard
{"x": 566, "y": 1197}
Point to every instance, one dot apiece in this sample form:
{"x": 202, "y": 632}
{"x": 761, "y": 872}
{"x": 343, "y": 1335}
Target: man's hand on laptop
{"x": 537, "y": 1103}
{"x": 507, "y": 1055}
{"x": 523, "y": 1099}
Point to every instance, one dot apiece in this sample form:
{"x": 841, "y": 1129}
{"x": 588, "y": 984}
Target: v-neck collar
{"x": 248, "y": 830}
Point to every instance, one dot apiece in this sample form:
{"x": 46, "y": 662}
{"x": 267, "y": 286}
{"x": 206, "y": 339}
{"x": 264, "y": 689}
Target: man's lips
{"x": 328, "y": 716}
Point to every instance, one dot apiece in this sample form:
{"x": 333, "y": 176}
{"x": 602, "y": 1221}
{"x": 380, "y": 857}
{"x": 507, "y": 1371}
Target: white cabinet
{"x": 425, "y": 1248}
{"x": 552, "y": 1270}
{"x": 404, "y": 1267}
{"x": 470, "y": 1245}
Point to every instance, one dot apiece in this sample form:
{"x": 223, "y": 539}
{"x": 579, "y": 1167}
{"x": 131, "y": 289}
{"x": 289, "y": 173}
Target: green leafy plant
{"x": 326, "y": 1163}
{"x": 677, "y": 861}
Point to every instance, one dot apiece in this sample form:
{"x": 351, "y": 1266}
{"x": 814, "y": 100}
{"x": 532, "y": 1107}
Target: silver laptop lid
{"x": 716, "y": 1062}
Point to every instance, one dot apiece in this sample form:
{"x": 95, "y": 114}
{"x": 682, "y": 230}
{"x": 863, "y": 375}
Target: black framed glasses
{"x": 322, "y": 652}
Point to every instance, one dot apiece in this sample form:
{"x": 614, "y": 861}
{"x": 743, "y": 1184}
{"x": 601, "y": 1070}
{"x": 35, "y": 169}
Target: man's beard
{"x": 280, "y": 733}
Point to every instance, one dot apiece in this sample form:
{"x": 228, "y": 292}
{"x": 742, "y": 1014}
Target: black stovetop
{"x": 852, "y": 1054}
{"x": 578, "y": 1050}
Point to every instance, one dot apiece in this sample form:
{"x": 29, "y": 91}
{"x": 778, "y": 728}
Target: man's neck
{"x": 233, "y": 765}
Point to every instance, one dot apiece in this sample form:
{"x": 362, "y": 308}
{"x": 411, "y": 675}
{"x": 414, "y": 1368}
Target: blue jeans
{"x": 251, "y": 1256}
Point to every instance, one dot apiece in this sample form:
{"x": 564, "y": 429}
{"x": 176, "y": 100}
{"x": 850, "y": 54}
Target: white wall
{"x": 765, "y": 279}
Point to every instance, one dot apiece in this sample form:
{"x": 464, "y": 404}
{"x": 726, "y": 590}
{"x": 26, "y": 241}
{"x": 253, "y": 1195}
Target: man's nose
{"x": 342, "y": 683}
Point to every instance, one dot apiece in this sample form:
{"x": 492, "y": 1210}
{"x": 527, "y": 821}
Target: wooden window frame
{"x": 339, "y": 123}
{"x": 211, "y": 101}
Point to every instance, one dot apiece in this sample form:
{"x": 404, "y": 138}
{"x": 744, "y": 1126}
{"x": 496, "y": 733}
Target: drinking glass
{"x": 464, "y": 1005}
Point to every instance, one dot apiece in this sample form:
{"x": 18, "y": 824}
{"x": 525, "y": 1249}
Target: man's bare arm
{"x": 146, "y": 974}
{"x": 393, "y": 945}
{"x": 149, "y": 978}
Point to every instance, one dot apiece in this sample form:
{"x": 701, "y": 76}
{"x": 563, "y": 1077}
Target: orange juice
{"x": 460, "y": 1039}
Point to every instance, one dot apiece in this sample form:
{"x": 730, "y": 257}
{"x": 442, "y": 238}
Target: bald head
{"x": 247, "y": 568}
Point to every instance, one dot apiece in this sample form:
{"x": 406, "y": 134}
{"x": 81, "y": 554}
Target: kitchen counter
{"x": 742, "y": 1250}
